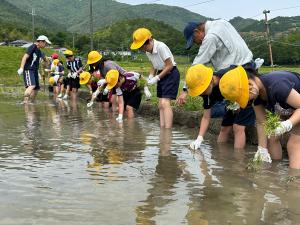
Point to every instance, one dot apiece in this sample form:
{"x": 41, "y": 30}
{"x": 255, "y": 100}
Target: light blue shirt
{"x": 222, "y": 46}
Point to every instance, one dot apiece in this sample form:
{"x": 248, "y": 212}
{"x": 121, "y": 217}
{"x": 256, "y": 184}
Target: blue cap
{"x": 188, "y": 33}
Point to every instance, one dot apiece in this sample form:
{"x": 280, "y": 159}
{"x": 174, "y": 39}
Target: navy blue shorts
{"x": 31, "y": 78}
{"x": 167, "y": 87}
{"x": 133, "y": 98}
{"x": 218, "y": 109}
{"x": 243, "y": 117}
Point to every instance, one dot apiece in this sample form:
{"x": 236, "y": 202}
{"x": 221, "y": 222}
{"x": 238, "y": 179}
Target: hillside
{"x": 240, "y": 23}
{"x": 111, "y": 38}
{"x": 74, "y": 14}
{"x": 277, "y": 25}
{"x": 9, "y": 14}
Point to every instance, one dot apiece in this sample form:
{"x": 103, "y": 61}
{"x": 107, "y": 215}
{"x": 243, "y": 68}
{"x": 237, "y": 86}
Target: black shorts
{"x": 243, "y": 117}
{"x": 31, "y": 78}
{"x": 167, "y": 87}
{"x": 74, "y": 83}
{"x": 65, "y": 81}
{"x": 133, "y": 98}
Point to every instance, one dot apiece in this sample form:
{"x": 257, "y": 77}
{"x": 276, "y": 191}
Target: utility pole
{"x": 268, "y": 36}
{"x": 73, "y": 40}
{"x": 91, "y": 24}
{"x": 33, "y": 14}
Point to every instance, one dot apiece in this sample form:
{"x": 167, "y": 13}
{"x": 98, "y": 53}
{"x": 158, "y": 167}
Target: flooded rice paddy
{"x": 63, "y": 164}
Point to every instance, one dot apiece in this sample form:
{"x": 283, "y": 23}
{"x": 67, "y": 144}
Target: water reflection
{"x": 62, "y": 162}
{"x": 30, "y": 141}
{"x": 162, "y": 184}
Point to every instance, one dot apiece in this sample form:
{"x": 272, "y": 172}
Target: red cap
{"x": 54, "y": 56}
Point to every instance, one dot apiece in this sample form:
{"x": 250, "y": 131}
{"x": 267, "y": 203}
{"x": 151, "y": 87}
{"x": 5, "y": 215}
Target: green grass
{"x": 10, "y": 58}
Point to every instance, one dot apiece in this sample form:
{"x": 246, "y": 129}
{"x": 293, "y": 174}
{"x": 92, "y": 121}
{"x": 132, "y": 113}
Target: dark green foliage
{"x": 111, "y": 38}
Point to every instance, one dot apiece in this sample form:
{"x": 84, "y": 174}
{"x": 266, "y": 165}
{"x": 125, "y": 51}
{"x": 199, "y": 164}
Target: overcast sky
{"x": 227, "y": 9}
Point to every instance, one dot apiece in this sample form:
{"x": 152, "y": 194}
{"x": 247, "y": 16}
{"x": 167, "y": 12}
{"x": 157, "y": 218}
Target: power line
{"x": 199, "y": 3}
{"x": 256, "y": 46}
{"x": 293, "y": 7}
{"x": 272, "y": 10}
{"x": 285, "y": 43}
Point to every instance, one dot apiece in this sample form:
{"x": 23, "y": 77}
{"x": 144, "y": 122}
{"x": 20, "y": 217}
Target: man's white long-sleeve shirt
{"x": 222, "y": 46}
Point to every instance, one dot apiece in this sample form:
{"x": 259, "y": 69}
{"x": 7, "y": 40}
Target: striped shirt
{"x": 75, "y": 65}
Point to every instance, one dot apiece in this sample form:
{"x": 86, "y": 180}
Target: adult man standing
{"x": 30, "y": 65}
{"x": 222, "y": 46}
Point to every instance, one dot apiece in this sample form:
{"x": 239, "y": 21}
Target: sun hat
{"x": 140, "y": 36}
{"x": 198, "y": 78}
{"x": 93, "y": 57}
{"x": 84, "y": 77}
{"x": 234, "y": 86}
{"x": 112, "y": 78}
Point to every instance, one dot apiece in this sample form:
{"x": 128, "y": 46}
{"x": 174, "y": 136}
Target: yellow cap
{"x": 84, "y": 77}
{"x": 51, "y": 81}
{"x": 234, "y": 86}
{"x": 198, "y": 78}
{"x": 112, "y": 78}
{"x": 93, "y": 57}
{"x": 55, "y": 62}
{"x": 140, "y": 36}
{"x": 68, "y": 53}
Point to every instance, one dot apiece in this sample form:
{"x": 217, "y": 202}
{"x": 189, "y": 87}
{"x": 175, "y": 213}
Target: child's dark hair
{"x": 146, "y": 42}
{"x": 251, "y": 73}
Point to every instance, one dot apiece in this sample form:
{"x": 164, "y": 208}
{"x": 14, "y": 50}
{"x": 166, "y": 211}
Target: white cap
{"x": 43, "y": 38}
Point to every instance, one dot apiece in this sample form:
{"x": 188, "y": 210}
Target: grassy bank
{"x": 10, "y": 58}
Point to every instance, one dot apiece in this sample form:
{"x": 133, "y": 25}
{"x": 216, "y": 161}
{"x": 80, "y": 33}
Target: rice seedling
{"x": 271, "y": 123}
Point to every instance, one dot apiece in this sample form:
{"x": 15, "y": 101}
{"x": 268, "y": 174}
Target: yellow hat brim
{"x": 85, "y": 80}
{"x": 111, "y": 85}
{"x": 137, "y": 45}
{"x": 94, "y": 61}
{"x": 244, "y": 93}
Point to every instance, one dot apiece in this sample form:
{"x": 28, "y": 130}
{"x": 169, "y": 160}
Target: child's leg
{"x": 33, "y": 95}
{"x": 274, "y": 148}
{"x": 293, "y": 146}
{"x": 166, "y": 113}
{"x": 114, "y": 103}
{"x": 74, "y": 93}
{"x": 130, "y": 112}
{"x": 239, "y": 136}
{"x": 224, "y": 134}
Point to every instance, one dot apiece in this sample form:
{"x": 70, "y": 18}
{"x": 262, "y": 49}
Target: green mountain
{"x": 278, "y": 24}
{"x": 9, "y": 14}
{"x": 74, "y": 14}
{"x": 240, "y": 23}
{"x": 17, "y": 24}
{"x": 111, "y": 38}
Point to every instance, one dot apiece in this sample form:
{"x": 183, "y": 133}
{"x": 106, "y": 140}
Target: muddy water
{"x": 61, "y": 164}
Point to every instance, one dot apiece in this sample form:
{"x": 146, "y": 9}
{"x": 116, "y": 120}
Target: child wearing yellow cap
{"x": 128, "y": 92}
{"x": 57, "y": 69}
{"x": 278, "y": 92}
{"x": 202, "y": 81}
{"x": 163, "y": 72}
